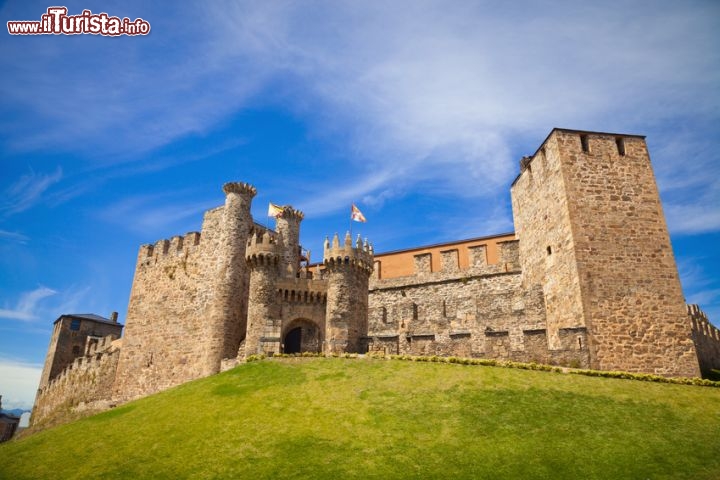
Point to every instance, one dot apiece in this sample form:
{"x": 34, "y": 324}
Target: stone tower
{"x": 288, "y": 227}
{"x": 264, "y": 256}
{"x": 593, "y": 235}
{"x": 71, "y": 337}
{"x": 347, "y": 270}
{"x": 226, "y": 322}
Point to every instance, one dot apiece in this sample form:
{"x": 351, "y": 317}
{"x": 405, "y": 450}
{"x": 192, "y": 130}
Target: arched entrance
{"x": 301, "y": 335}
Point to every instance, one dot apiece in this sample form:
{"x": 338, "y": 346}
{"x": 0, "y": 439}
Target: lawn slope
{"x": 371, "y": 418}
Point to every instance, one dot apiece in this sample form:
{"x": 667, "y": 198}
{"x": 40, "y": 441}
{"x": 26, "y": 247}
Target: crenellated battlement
{"x": 701, "y": 324}
{"x": 290, "y": 213}
{"x": 240, "y": 188}
{"x": 96, "y": 355}
{"x": 360, "y": 256}
{"x": 307, "y": 291}
{"x": 263, "y": 248}
{"x": 176, "y": 246}
{"x": 706, "y": 337}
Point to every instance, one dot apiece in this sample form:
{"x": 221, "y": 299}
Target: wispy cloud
{"x": 26, "y": 308}
{"x": 435, "y": 95}
{"x": 44, "y": 303}
{"x": 426, "y": 95}
{"x": 700, "y": 287}
{"x": 27, "y": 191}
{"x": 13, "y": 237}
{"x": 155, "y": 214}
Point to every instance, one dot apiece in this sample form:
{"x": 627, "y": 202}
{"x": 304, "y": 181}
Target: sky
{"x": 417, "y": 111}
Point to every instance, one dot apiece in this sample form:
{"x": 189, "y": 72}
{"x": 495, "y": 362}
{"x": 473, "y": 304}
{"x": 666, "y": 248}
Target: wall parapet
{"x": 263, "y": 248}
{"x": 360, "y": 256}
{"x": 177, "y": 245}
{"x": 86, "y": 381}
{"x": 706, "y": 338}
{"x": 437, "y": 278}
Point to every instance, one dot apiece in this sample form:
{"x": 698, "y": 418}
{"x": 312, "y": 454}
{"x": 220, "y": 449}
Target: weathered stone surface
{"x": 706, "y": 338}
{"x": 592, "y": 233}
{"x": 86, "y": 383}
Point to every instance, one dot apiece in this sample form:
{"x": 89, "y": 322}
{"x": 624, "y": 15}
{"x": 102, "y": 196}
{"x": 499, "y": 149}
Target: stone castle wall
{"x": 597, "y": 232}
{"x": 481, "y": 311}
{"x": 67, "y": 344}
{"x": 547, "y": 245}
{"x": 165, "y": 338}
{"x": 347, "y": 271}
{"x": 86, "y": 382}
{"x": 706, "y": 337}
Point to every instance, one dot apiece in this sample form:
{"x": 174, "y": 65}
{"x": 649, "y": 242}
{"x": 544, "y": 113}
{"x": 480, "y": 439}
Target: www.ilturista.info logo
{"x": 57, "y": 22}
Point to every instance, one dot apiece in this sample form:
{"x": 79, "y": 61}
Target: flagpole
{"x": 351, "y": 220}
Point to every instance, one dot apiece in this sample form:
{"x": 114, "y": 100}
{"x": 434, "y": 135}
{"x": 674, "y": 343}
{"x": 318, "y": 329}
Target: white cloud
{"x": 27, "y": 191}
{"x": 691, "y": 219}
{"x": 26, "y": 308}
{"x": 18, "y": 383}
{"x": 435, "y": 94}
{"x": 428, "y": 95}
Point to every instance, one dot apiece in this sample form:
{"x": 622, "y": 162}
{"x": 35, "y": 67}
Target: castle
{"x": 588, "y": 279}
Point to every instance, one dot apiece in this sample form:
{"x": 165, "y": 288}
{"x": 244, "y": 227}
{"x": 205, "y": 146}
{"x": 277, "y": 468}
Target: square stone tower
{"x": 592, "y": 233}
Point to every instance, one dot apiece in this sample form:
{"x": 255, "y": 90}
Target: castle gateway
{"x": 588, "y": 279}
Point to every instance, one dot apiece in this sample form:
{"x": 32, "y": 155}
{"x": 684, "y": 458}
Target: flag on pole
{"x": 356, "y": 214}
{"x": 274, "y": 210}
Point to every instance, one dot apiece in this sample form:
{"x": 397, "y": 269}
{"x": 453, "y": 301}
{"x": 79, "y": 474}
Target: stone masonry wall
{"x": 601, "y": 201}
{"x": 164, "y": 342}
{"x": 483, "y": 311}
{"x": 706, "y": 337}
{"x": 264, "y": 257}
{"x": 547, "y": 247}
{"x": 225, "y": 324}
{"x": 67, "y": 344}
{"x": 347, "y": 270}
{"x": 86, "y": 382}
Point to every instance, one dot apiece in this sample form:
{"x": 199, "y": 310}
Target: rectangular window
{"x": 620, "y": 145}
{"x": 584, "y": 143}
{"x": 75, "y": 324}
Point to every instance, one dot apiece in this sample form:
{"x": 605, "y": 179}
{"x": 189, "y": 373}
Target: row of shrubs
{"x": 262, "y": 356}
{"x": 645, "y": 377}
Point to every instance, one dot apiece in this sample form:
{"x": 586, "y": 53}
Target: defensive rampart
{"x": 84, "y": 384}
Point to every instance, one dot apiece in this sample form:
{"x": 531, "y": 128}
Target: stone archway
{"x": 301, "y": 335}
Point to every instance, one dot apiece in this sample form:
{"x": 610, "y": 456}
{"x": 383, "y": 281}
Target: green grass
{"x": 371, "y": 418}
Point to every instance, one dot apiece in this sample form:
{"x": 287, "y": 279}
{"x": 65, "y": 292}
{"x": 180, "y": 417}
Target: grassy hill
{"x": 370, "y": 418}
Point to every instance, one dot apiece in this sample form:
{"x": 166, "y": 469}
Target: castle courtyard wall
{"x": 483, "y": 311}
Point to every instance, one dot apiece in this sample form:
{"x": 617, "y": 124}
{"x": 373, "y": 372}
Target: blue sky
{"x": 418, "y": 111}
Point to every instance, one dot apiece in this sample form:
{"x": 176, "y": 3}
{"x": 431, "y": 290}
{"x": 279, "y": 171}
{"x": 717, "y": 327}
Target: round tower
{"x": 287, "y": 224}
{"x": 228, "y": 310}
{"x": 264, "y": 256}
{"x": 347, "y": 270}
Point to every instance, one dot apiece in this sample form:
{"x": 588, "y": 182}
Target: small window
{"x": 76, "y": 350}
{"x": 75, "y": 324}
{"x": 549, "y": 250}
{"x": 620, "y": 145}
{"x": 584, "y": 143}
